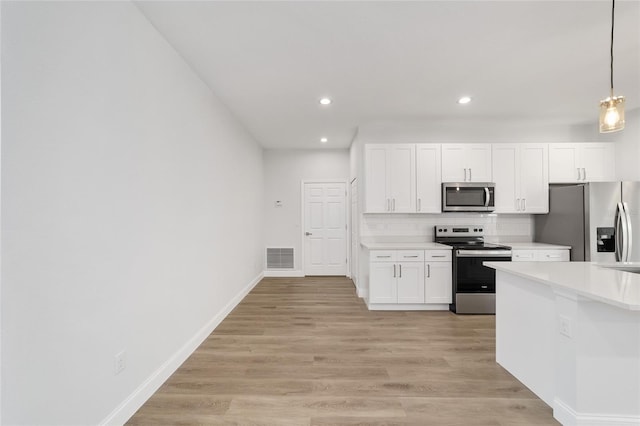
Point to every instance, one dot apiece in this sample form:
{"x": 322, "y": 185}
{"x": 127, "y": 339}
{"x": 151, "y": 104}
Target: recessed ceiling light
{"x": 464, "y": 100}
{"x": 325, "y": 101}
{"x": 323, "y": 140}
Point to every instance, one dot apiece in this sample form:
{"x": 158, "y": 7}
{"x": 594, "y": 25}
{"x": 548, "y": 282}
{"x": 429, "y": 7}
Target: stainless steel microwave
{"x": 468, "y": 196}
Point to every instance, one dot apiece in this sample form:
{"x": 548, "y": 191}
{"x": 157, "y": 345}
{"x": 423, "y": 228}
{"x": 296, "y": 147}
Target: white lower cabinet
{"x": 410, "y": 282}
{"x": 409, "y": 278}
{"x": 546, "y": 255}
{"x": 438, "y": 276}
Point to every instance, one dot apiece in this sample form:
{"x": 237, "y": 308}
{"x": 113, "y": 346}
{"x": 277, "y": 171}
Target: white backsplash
{"x": 411, "y": 227}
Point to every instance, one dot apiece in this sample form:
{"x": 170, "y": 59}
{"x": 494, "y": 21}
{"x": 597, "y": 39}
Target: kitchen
{"x": 132, "y": 183}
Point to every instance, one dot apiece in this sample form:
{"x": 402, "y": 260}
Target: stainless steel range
{"x": 474, "y": 285}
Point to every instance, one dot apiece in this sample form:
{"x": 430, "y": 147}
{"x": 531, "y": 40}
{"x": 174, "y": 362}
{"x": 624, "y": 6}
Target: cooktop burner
{"x": 475, "y": 245}
{"x": 465, "y": 237}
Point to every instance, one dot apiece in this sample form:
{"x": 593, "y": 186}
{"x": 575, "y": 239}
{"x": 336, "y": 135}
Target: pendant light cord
{"x": 613, "y": 7}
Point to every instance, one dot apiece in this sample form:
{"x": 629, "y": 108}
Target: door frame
{"x": 347, "y": 212}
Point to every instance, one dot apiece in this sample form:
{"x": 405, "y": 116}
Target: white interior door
{"x": 325, "y": 229}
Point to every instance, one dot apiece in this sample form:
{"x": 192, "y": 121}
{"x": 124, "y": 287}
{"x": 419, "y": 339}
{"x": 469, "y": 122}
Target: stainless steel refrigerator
{"x": 598, "y": 220}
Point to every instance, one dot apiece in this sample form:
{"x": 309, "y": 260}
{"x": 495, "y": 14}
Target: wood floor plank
{"x": 307, "y": 351}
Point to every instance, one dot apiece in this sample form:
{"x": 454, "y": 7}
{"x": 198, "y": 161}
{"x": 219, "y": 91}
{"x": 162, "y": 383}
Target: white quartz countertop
{"x": 536, "y": 246}
{"x": 610, "y": 286}
{"x": 404, "y": 246}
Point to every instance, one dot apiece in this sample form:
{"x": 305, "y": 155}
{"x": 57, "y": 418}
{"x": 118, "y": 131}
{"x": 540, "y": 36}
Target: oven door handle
{"x": 483, "y": 253}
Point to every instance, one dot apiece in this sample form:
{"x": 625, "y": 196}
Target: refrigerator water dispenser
{"x": 606, "y": 241}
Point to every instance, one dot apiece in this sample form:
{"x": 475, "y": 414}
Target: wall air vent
{"x": 279, "y": 258}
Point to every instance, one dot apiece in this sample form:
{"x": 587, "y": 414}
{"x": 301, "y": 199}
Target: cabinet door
{"x": 428, "y": 182}
{"x": 534, "y": 178}
{"x": 382, "y": 282}
{"x": 479, "y": 162}
{"x": 437, "y": 282}
{"x": 376, "y": 200}
{"x": 454, "y": 167}
{"x": 401, "y": 178}
{"x": 410, "y": 282}
{"x": 597, "y": 162}
{"x": 506, "y": 159}
{"x": 563, "y": 163}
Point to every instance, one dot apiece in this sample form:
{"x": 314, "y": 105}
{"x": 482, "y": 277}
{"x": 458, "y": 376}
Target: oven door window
{"x": 473, "y": 277}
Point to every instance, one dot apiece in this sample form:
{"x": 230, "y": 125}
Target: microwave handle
{"x": 487, "y": 196}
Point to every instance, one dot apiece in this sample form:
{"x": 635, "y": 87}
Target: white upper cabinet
{"x": 534, "y": 178}
{"x": 581, "y": 162}
{"x": 428, "y": 184}
{"x": 390, "y": 178}
{"x": 520, "y": 172}
{"x": 466, "y": 162}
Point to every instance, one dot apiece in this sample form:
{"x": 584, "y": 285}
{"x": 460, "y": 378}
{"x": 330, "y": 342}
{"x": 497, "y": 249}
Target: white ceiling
{"x": 270, "y": 62}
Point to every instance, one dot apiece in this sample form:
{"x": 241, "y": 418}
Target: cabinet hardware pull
{"x": 517, "y": 204}
{"x": 578, "y": 169}
{"x": 524, "y": 204}
{"x": 394, "y": 271}
{"x": 409, "y": 256}
{"x": 428, "y": 271}
{"x": 380, "y": 257}
{"x": 419, "y": 204}
{"x": 465, "y": 174}
{"x": 400, "y": 271}
{"x": 584, "y": 174}
{"x": 470, "y": 178}
{"x": 439, "y": 255}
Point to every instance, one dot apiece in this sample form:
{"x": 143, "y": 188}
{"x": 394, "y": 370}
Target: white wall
{"x": 131, "y": 211}
{"x": 0, "y": 217}
{"x": 284, "y": 170}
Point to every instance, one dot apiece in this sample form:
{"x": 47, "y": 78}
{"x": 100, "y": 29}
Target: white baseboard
{"x": 407, "y": 307}
{"x": 569, "y": 417}
{"x": 362, "y": 293}
{"x": 283, "y": 274}
{"x": 138, "y": 397}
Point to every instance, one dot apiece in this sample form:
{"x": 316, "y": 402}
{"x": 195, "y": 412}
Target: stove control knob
{"x": 480, "y": 229}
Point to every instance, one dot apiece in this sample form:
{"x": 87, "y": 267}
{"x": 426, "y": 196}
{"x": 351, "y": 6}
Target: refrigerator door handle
{"x": 621, "y": 234}
{"x": 629, "y": 235}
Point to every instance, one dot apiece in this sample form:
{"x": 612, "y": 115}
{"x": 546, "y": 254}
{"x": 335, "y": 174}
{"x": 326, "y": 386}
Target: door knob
{"x": 308, "y": 233}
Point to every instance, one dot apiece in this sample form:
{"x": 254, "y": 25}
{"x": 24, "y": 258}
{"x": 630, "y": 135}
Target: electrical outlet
{"x": 120, "y": 362}
{"x": 565, "y": 326}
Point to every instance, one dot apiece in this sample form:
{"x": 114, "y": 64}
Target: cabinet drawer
{"x": 524, "y": 255}
{"x": 382, "y": 256}
{"x": 437, "y": 255}
{"x": 553, "y": 255}
{"x": 410, "y": 255}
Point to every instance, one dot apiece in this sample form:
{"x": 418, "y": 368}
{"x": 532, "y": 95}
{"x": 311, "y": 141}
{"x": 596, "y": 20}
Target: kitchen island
{"x": 570, "y": 331}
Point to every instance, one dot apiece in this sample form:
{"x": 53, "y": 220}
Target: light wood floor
{"x": 306, "y": 351}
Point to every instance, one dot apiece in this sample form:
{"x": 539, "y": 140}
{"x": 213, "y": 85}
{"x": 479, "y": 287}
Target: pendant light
{"x": 612, "y": 108}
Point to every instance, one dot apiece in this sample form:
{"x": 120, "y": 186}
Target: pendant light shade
{"x": 612, "y": 114}
{"x": 612, "y": 108}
